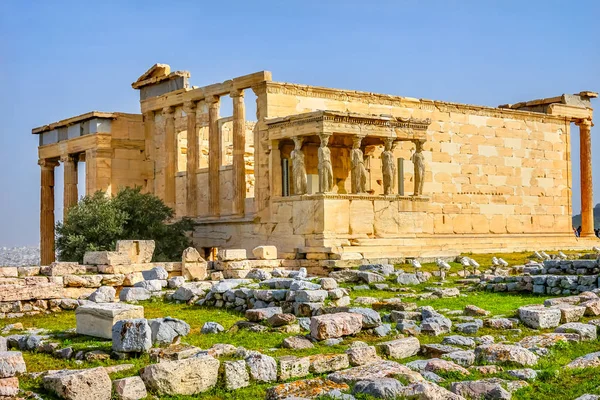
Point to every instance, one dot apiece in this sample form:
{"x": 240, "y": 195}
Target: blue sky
{"x": 60, "y": 58}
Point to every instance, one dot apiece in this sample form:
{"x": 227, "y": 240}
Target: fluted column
{"x": 170, "y": 155}
{"x": 214, "y": 156}
{"x": 47, "y": 255}
{"x": 149, "y": 146}
{"x": 239, "y": 149}
{"x": 70, "y": 195}
{"x": 585, "y": 165}
{"x": 193, "y": 160}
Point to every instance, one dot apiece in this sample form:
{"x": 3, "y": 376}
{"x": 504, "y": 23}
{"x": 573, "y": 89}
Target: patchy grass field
{"x": 553, "y": 381}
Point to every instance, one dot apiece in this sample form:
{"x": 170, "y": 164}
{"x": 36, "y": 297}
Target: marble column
{"x": 170, "y": 155}
{"x": 47, "y": 255}
{"x": 585, "y": 165}
{"x": 70, "y": 195}
{"x": 149, "y": 146}
{"x": 193, "y": 160}
{"x": 239, "y": 149}
{"x": 214, "y": 157}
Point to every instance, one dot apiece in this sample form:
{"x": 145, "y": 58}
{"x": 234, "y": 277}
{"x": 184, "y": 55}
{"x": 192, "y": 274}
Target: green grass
{"x": 554, "y": 382}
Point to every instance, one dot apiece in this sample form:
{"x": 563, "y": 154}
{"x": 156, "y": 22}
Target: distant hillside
{"x": 577, "y": 218}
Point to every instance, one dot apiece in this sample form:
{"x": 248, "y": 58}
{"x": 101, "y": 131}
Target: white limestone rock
{"x": 131, "y": 336}
{"x": 335, "y": 325}
{"x": 98, "y": 319}
{"x": 539, "y": 317}
{"x": 265, "y": 252}
{"x": 182, "y": 377}
{"x": 131, "y": 388}
{"x": 85, "y": 384}
{"x": 104, "y": 294}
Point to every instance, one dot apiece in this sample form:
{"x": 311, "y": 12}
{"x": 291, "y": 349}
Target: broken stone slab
{"x": 138, "y": 251}
{"x": 590, "y": 360}
{"x": 400, "y": 348}
{"x": 84, "y": 281}
{"x": 131, "y": 388}
{"x": 465, "y": 358}
{"x": 375, "y": 371}
{"x": 231, "y": 254}
{"x": 134, "y": 294}
{"x": 304, "y": 389}
{"x": 360, "y": 355}
{"x": 546, "y": 340}
{"x": 235, "y": 374}
{"x": 370, "y": 317}
{"x": 9, "y": 387}
{"x": 324, "y": 363}
{"x": 63, "y": 268}
{"x": 587, "y": 332}
{"x": 11, "y": 364}
{"x": 335, "y": 325}
{"x": 166, "y": 331}
{"x": 293, "y": 367}
{"x": 310, "y": 296}
{"x": 539, "y": 317}
{"x": 183, "y": 377}
{"x": 263, "y": 368}
{"x": 261, "y": 314}
{"x": 85, "y": 384}
{"x": 297, "y": 342}
{"x": 154, "y": 285}
{"x": 428, "y": 390}
{"x": 11, "y": 293}
{"x": 131, "y": 336}
{"x": 106, "y": 258}
{"x": 592, "y": 307}
{"x": 480, "y": 390}
{"x": 384, "y": 388}
{"x": 505, "y": 353}
{"x": 189, "y": 290}
{"x": 193, "y": 266}
{"x": 570, "y": 312}
{"x": 159, "y": 273}
{"x": 265, "y": 252}
{"x": 98, "y": 319}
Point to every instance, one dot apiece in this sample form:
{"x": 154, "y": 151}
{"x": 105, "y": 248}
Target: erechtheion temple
{"x": 328, "y": 174}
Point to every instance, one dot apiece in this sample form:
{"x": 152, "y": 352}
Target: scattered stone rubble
{"x": 315, "y": 310}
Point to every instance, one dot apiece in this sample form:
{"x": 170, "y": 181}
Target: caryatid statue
{"x": 325, "y": 168}
{"x": 298, "y": 168}
{"x": 358, "y": 171}
{"x": 418, "y": 161}
{"x": 388, "y": 166}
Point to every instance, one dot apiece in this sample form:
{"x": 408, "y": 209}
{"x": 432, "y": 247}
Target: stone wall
{"x": 489, "y": 170}
{"x": 552, "y": 278}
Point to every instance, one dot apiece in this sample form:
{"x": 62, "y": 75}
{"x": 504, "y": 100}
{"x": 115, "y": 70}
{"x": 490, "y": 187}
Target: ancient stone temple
{"x": 329, "y": 174}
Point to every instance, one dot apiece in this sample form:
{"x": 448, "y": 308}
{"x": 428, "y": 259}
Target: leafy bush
{"x": 97, "y": 222}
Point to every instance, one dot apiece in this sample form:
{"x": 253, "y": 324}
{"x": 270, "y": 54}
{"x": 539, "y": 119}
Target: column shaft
{"x": 193, "y": 161}
{"x": 214, "y": 157}
{"x": 70, "y": 195}
{"x": 170, "y": 156}
{"x": 239, "y": 149}
{"x": 47, "y": 255}
{"x": 585, "y": 164}
{"x": 149, "y": 147}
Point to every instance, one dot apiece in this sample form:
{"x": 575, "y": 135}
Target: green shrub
{"x": 97, "y": 222}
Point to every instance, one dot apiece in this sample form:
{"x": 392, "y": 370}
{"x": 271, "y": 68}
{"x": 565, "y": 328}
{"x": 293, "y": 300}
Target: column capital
{"x": 69, "y": 158}
{"x": 212, "y": 100}
{"x": 585, "y": 123}
{"x": 190, "y": 107}
{"x": 236, "y": 93}
{"x": 47, "y": 163}
{"x": 168, "y": 110}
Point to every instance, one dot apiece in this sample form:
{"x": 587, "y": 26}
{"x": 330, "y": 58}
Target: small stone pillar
{"x": 193, "y": 160}
{"x": 70, "y": 195}
{"x": 214, "y": 157}
{"x": 47, "y": 255}
{"x": 585, "y": 165}
{"x": 170, "y": 167}
{"x": 239, "y": 149}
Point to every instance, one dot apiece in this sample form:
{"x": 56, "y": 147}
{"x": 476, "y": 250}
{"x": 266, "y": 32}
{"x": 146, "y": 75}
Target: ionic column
{"x": 239, "y": 149}
{"x": 193, "y": 160}
{"x": 47, "y": 255}
{"x": 214, "y": 156}
{"x": 70, "y": 195}
{"x": 170, "y": 155}
{"x": 585, "y": 165}
{"x": 149, "y": 146}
